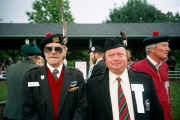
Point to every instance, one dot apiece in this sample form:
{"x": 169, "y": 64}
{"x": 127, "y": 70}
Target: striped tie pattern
{"x": 55, "y": 72}
{"x": 123, "y": 108}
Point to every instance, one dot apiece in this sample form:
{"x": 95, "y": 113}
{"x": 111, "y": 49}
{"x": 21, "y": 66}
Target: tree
{"x": 139, "y": 11}
{"x": 47, "y": 11}
{"x": 177, "y": 18}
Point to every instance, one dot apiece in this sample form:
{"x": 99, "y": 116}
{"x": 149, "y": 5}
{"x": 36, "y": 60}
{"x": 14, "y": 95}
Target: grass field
{"x": 175, "y": 100}
{"x": 175, "y": 97}
{"x": 3, "y": 90}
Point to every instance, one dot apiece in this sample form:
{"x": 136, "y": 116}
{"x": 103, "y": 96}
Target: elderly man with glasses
{"x": 54, "y": 92}
{"x": 157, "y": 49}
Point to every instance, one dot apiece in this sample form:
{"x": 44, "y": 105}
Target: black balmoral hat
{"x": 113, "y": 43}
{"x": 155, "y": 39}
{"x": 55, "y": 38}
{"x": 97, "y": 49}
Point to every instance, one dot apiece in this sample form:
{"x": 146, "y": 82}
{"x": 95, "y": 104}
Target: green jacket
{"x": 15, "y": 74}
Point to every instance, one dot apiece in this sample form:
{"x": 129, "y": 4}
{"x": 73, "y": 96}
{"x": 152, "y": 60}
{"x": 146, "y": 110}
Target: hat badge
{"x": 55, "y": 39}
{"x": 65, "y": 41}
{"x": 93, "y": 49}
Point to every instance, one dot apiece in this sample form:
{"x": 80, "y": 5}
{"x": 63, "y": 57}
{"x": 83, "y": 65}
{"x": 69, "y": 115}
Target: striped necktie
{"x": 55, "y": 73}
{"x": 123, "y": 108}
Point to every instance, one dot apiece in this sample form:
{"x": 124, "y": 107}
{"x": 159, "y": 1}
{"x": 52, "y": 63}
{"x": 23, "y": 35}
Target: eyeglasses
{"x": 49, "y": 49}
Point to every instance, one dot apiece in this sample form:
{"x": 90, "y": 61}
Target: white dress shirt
{"x": 52, "y": 69}
{"x": 154, "y": 62}
{"x": 113, "y": 84}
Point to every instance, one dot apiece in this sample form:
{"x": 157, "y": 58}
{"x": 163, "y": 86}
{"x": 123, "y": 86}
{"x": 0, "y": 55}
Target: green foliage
{"x": 173, "y": 18}
{"x": 77, "y": 55}
{"x": 3, "y": 89}
{"x": 139, "y": 11}
{"x": 6, "y": 54}
{"x": 47, "y": 11}
{"x": 176, "y": 54}
{"x": 3, "y": 54}
{"x": 175, "y": 99}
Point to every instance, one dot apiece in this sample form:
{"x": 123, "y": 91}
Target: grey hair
{"x": 148, "y": 47}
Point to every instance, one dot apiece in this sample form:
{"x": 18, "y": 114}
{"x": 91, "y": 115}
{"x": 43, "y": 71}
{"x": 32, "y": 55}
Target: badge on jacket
{"x": 138, "y": 90}
{"x": 73, "y": 86}
{"x": 33, "y": 84}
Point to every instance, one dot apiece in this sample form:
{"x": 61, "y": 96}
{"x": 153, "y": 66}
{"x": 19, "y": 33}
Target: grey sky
{"x": 15, "y": 10}
{"x": 84, "y": 11}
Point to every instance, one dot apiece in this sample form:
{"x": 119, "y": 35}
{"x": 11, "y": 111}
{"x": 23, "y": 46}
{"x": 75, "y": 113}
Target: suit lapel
{"x": 65, "y": 84}
{"x": 131, "y": 81}
{"x": 130, "y": 74}
{"x": 104, "y": 89}
{"x": 46, "y": 92}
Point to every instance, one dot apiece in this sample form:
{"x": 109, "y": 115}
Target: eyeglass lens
{"x": 57, "y": 49}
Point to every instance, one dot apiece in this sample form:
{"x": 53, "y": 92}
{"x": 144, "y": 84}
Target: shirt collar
{"x": 122, "y": 76}
{"x": 154, "y": 62}
{"x": 52, "y": 68}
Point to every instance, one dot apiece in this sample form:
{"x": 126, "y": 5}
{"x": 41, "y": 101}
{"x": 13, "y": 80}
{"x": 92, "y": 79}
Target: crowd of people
{"x": 4, "y": 63}
{"x": 45, "y": 88}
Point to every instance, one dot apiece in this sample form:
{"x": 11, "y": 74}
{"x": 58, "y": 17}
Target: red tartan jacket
{"x": 160, "y": 79}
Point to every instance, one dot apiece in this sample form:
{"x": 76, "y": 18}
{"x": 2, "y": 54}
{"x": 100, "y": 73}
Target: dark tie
{"x": 123, "y": 108}
{"x": 55, "y": 72}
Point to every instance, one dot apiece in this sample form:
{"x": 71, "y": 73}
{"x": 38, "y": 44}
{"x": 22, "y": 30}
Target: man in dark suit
{"x": 119, "y": 94}
{"x": 54, "y": 92}
{"x": 15, "y": 74}
{"x": 98, "y": 57}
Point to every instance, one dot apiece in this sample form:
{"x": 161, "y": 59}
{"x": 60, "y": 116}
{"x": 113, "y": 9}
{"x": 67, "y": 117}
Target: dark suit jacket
{"x": 99, "y": 100}
{"x": 37, "y": 101}
{"x": 99, "y": 68}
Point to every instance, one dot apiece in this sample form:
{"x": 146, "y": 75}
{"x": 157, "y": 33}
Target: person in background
{"x": 98, "y": 58}
{"x": 119, "y": 94}
{"x": 130, "y": 61}
{"x": 40, "y": 61}
{"x": 54, "y": 92}
{"x": 157, "y": 48}
{"x": 91, "y": 61}
{"x": 15, "y": 74}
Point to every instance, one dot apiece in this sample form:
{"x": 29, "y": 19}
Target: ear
{"x": 151, "y": 49}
